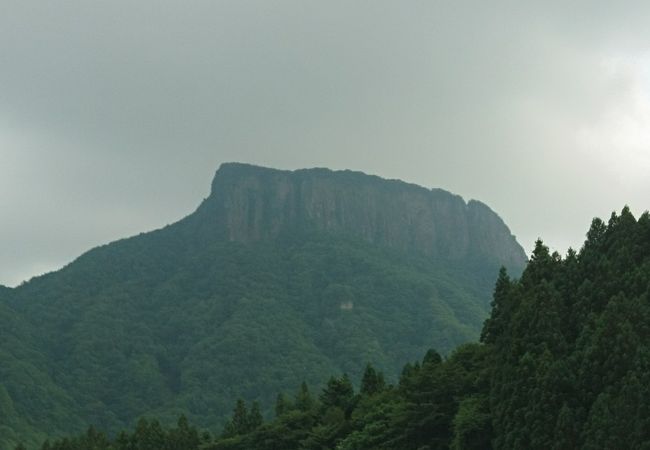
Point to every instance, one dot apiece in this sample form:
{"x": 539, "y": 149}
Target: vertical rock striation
{"x": 250, "y": 203}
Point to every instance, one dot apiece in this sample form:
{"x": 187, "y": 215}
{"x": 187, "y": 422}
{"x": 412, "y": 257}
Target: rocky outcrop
{"x": 250, "y": 203}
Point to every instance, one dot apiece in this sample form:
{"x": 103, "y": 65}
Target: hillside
{"x": 564, "y": 364}
{"x": 278, "y": 277}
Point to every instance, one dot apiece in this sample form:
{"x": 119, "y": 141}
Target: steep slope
{"x": 278, "y": 277}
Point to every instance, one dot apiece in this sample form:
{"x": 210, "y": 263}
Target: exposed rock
{"x": 250, "y": 203}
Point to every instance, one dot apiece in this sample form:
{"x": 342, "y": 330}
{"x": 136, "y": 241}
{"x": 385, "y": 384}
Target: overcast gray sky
{"x": 114, "y": 115}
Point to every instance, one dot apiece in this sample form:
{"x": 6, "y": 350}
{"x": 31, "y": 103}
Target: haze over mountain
{"x": 278, "y": 277}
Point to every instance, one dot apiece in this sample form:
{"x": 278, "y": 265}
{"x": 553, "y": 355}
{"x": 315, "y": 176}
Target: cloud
{"x": 620, "y": 136}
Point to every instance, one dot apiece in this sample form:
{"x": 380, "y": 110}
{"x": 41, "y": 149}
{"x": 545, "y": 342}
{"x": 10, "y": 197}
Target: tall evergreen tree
{"x": 282, "y": 405}
{"x": 304, "y": 401}
{"x": 255, "y": 418}
{"x": 372, "y": 381}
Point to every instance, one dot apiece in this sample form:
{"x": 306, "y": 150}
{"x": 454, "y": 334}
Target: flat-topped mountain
{"x": 278, "y": 277}
{"x": 250, "y": 203}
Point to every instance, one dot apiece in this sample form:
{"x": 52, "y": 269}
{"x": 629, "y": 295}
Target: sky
{"x": 114, "y": 115}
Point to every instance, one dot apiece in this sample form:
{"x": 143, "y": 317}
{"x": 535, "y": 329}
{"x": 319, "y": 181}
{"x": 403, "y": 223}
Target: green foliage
{"x": 282, "y": 405}
{"x": 304, "y": 402}
{"x": 338, "y": 393}
{"x": 167, "y": 323}
{"x": 441, "y": 402}
{"x": 569, "y": 344}
{"x": 472, "y": 424}
{"x": 564, "y": 364}
{"x": 372, "y": 382}
{"x": 255, "y": 418}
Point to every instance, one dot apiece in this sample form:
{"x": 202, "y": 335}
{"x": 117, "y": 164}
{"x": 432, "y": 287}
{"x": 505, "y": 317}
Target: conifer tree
{"x": 495, "y": 325}
{"x": 281, "y": 405}
{"x": 240, "y": 418}
{"x": 372, "y": 381}
{"x": 304, "y": 401}
{"x": 255, "y": 418}
{"x": 337, "y": 393}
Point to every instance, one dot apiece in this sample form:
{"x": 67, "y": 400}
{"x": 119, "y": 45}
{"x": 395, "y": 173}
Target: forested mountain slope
{"x": 564, "y": 364}
{"x": 277, "y": 278}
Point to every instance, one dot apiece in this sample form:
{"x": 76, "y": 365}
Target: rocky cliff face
{"x": 250, "y": 203}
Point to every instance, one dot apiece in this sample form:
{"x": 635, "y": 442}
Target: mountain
{"x": 277, "y": 277}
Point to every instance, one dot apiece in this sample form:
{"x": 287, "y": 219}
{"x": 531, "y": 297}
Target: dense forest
{"x": 563, "y": 363}
{"x": 253, "y": 321}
